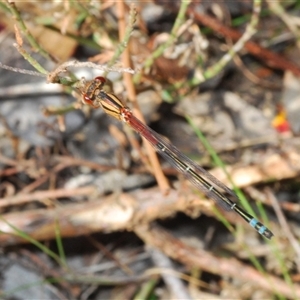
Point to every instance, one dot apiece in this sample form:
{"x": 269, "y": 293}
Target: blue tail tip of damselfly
{"x": 261, "y": 229}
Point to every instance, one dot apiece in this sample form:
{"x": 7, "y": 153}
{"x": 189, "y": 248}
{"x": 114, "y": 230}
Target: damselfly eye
{"x": 87, "y": 100}
{"x": 100, "y": 78}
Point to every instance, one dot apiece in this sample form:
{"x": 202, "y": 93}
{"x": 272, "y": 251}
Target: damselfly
{"x": 94, "y": 95}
